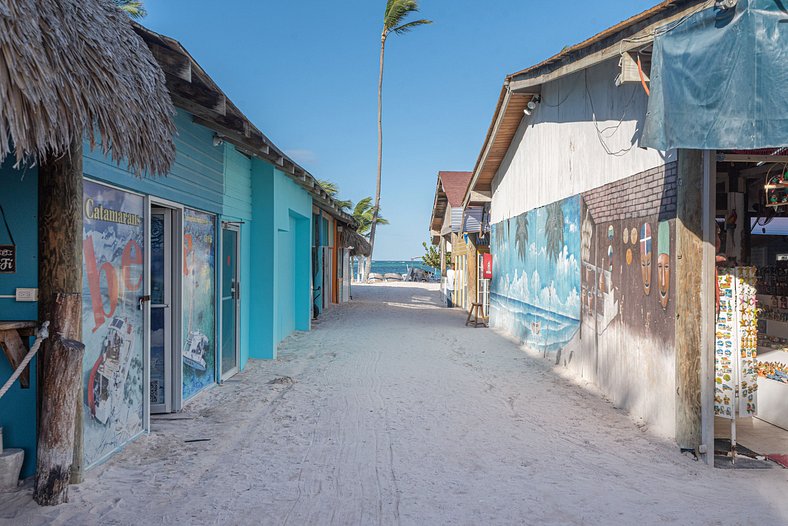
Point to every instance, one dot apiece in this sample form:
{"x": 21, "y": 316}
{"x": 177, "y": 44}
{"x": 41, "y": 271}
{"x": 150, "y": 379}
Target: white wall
{"x": 557, "y": 153}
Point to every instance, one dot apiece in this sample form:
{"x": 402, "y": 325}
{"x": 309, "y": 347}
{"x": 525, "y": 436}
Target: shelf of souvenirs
{"x": 772, "y": 353}
{"x": 777, "y": 371}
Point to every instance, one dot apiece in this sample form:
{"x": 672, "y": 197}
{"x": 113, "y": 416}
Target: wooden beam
{"x": 744, "y": 158}
{"x": 59, "y": 275}
{"x": 172, "y": 62}
{"x": 15, "y": 350}
{"x": 604, "y": 50}
{"x": 197, "y": 94}
{"x": 689, "y": 280}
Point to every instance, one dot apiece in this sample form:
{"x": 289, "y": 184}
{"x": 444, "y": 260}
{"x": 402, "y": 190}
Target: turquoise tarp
{"x": 719, "y": 80}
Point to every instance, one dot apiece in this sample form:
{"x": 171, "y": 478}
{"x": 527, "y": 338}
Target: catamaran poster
{"x": 112, "y": 323}
{"x": 198, "y": 302}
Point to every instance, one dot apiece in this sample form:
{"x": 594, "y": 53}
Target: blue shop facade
{"x": 171, "y": 303}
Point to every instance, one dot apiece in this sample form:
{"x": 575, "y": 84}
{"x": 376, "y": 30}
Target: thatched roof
{"x": 69, "y": 67}
{"x": 351, "y": 238}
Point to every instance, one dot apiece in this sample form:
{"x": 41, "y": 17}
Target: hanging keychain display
{"x": 7, "y": 252}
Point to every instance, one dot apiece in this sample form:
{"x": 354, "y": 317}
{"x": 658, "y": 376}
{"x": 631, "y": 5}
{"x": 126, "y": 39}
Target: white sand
{"x": 400, "y": 415}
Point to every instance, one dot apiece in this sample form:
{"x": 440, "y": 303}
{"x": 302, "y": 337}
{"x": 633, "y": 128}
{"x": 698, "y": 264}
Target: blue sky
{"x": 305, "y": 72}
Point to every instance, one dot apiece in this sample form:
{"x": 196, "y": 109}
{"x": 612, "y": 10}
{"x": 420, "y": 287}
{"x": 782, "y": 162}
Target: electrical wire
{"x": 601, "y": 132}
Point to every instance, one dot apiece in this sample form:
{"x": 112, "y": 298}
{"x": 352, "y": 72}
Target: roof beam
{"x": 172, "y": 62}
{"x": 606, "y": 49}
{"x": 196, "y": 94}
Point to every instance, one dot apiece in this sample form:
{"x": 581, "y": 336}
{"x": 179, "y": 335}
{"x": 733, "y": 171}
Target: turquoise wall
{"x": 281, "y": 235}
{"x": 19, "y": 199}
{"x": 196, "y": 179}
{"x": 238, "y": 207}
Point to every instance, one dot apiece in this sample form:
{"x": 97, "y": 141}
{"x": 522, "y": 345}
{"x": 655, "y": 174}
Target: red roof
{"x": 454, "y": 186}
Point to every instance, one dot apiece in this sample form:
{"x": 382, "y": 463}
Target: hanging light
{"x": 531, "y": 106}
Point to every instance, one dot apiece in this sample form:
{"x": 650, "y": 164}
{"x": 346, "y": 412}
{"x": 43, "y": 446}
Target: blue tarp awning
{"x": 719, "y": 80}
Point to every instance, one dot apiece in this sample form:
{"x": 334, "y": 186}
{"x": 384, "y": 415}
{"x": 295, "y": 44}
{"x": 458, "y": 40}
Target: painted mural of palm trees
{"x": 554, "y": 231}
{"x": 521, "y": 236}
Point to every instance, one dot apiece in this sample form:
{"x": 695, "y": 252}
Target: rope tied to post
{"x": 41, "y": 335}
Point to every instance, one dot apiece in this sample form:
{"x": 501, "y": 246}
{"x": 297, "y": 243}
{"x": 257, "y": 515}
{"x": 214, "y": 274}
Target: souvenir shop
{"x": 751, "y": 331}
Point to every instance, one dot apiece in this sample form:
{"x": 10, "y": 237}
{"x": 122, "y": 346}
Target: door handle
{"x": 142, "y": 301}
{"x": 160, "y": 306}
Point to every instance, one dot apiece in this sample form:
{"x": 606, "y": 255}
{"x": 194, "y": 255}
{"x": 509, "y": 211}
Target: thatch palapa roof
{"x": 351, "y": 238}
{"x": 70, "y": 67}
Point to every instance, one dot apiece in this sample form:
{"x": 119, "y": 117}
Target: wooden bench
{"x": 14, "y": 337}
{"x": 477, "y": 312}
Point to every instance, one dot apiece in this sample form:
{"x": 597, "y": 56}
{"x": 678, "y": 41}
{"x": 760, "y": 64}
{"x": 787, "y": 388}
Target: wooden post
{"x": 443, "y": 256}
{"x": 60, "y": 302}
{"x": 59, "y": 394}
{"x": 689, "y": 279}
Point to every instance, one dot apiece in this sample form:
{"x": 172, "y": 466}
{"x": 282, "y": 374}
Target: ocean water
{"x": 398, "y": 267}
{"x": 538, "y": 327}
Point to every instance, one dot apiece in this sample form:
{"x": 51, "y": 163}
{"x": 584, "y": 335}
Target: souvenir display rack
{"x": 736, "y": 372}
{"x": 773, "y": 359}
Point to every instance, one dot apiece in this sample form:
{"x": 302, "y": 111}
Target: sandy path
{"x": 399, "y": 415}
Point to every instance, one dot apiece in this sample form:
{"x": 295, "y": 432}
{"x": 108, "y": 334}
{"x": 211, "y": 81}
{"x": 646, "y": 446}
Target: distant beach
{"x": 398, "y": 267}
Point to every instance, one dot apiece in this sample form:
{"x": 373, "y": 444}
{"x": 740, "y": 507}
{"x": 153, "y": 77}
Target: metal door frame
{"x": 174, "y": 391}
{"x": 236, "y": 291}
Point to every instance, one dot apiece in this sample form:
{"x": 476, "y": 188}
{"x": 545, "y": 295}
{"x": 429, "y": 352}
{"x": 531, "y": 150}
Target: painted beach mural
{"x": 112, "y": 323}
{"x": 199, "y": 340}
{"x": 535, "y": 291}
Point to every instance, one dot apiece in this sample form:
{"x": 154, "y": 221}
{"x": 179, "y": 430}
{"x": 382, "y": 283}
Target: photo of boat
{"x": 108, "y": 375}
{"x": 195, "y": 349}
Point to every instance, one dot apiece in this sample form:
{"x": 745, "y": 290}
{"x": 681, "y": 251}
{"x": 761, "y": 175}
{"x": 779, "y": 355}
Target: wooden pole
{"x": 60, "y": 302}
{"x": 689, "y": 305}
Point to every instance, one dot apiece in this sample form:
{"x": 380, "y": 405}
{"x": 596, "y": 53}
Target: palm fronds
{"x": 554, "y": 230}
{"x": 133, "y": 8}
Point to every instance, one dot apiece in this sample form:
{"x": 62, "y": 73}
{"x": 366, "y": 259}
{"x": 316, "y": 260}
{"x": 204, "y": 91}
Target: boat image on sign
{"x": 194, "y": 350}
{"x": 108, "y": 375}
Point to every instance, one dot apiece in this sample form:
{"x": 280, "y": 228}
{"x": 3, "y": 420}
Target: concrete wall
{"x": 19, "y": 199}
{"x": 557, "y": 152}
{"x": 280, "y": 256}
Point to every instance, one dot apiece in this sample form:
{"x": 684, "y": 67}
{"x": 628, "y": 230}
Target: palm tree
{"x": 554, "y": 230}
{"x": 521, "y": 236}
{"x": 393, "y": 22}
{"x": 363, "y": 215}
{"x": 332, "y": 189}
{"x": 133, "y": 8}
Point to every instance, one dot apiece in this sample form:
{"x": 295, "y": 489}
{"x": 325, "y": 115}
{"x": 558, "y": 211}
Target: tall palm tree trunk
{"x": 380, "y": 150}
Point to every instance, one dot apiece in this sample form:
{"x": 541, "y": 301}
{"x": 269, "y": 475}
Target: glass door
{"x": 160, "y": 311}
{"x": 231, "y": 296}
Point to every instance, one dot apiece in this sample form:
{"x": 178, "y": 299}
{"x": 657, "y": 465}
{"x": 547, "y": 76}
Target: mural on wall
{"x": 112, "y": 323}
{"x": 199, "y": 342}
{"x": 535, "y": 290}
{"x": 618, "y": 270}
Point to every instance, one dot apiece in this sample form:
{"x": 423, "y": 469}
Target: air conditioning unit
{"x": 628, "y": 65}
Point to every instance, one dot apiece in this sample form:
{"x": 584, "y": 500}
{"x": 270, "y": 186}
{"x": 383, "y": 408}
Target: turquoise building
{"x": 185, "y": 277}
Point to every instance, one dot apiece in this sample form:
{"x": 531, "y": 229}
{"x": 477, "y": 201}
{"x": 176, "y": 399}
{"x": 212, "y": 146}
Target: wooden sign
{"x": 7, "y": 259}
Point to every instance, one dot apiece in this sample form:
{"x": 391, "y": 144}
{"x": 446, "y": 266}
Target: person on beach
{"x": 449, "y": 285}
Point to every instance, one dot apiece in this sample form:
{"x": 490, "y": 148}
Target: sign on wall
{"x": 487, "y": 266}
{"x": 199, "y": 341}
{"x": 112, "y": 323}
{"x": 7, "y": 252}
